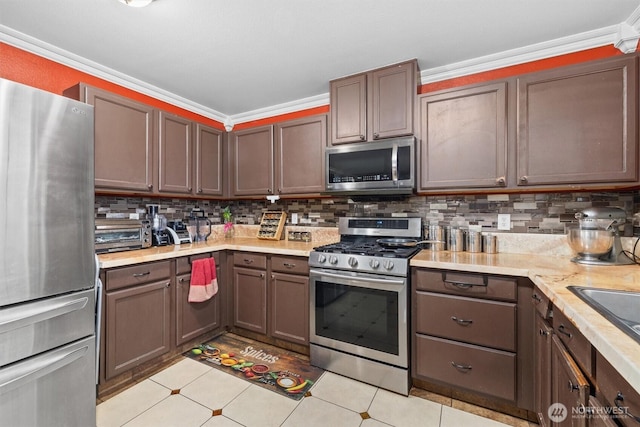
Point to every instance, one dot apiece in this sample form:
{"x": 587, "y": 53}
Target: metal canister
{"x": 437, "y": 232}
{"x": 490, "y": 243}
{"x": 474, "y": 241}
{"x": 456, "y": 240}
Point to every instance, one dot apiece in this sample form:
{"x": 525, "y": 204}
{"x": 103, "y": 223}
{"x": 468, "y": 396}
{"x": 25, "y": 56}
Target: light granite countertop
{"x": 546, "y": 260}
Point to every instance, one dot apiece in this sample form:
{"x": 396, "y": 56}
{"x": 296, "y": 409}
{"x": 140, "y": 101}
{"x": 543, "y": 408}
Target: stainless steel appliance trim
{"x": 413, "y": 230}
{"x": 394, "y": 163}
{"x": 371, "y": 372}
{"x": 40, "y": 313}
{"x": 361, "y": 280}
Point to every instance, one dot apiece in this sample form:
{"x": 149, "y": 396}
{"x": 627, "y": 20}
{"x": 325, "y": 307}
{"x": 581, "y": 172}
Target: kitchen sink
{"x": 622, "y": 308}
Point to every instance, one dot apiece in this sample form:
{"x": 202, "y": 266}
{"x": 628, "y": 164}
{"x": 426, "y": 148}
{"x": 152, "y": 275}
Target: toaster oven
{"x": 114, "y": 235}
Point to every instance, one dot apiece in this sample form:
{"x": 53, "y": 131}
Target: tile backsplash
{"x": 543, "y": 213}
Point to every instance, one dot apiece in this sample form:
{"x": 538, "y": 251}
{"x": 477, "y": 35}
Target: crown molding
{"x": 276, "y": 110}
{"x": 562, "y": 46}
{"x": 61, "y": 56}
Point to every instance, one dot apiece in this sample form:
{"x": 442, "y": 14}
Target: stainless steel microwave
{"x": 381, "y": 167}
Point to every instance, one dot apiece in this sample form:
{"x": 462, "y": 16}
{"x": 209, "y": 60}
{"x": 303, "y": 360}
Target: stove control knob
{"x": 388, "y": 265}
{"x": 374, "y": 263}
{"x": 352, "y": 262}
{"x": 333, "y": 259}
{"x": 322, "y": 258}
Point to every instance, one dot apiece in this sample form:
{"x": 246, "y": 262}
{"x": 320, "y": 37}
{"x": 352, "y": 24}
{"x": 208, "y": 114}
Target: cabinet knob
{"x": 376, "y": 136}
{"x": 270, "y": 191}
{"x": 262, "y": 275}
{"x": 190, "y": 189}
{"x": 524, "y": 179}
{"x": 279, "y": 190}
{"x": 572, "y": 386}
{"x": 199, "y": 190}
{"x": 168, "y": 285}
{"x": 501, "y": 181}
{"x": 150, "y": 186}
{"x": 362, "y": 138}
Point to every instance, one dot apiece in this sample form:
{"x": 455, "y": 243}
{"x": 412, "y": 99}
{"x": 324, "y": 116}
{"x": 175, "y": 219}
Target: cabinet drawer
{"x": 610, "y": 385}
{"x": 183, "y": 265}
{"x": 295, "y": 265}
{"x": 136, "y": 275}
{"x": 466, "y": 284}
{"x": 475, "y": 368}
{"x": 248, "y": 259}
{"x": 488, "y": 323}
{"x": 576, "y": 343}
{"x": 541, "y": 303}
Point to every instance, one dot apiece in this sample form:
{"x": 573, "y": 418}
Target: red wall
{"x": 33, "y": 70}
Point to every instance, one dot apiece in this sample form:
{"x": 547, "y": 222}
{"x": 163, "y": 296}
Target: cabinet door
{"x": 175, "y": 154}
{"x": 137, "y": 326}
{"x": 250, "y": 299}
{"x": 194, "y": 318}
{"x": 569, "y": 388}
{"x": 577, "y": 125}
{"x": 348, "y": 99}
{"x": 299, "y": 154}
{"x": 393, "y": 92}
{"x": 123, "y": 142}
{"x": 463, "y": 137}
{"x": 289, "y": 308}
{"x": 543, "y": 333}
{"x": 208, "y": 161}
{"x": 252, "y": 161}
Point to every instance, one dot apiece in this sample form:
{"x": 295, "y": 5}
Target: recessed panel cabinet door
{"x": 578, "y": 124}
{"x": 392, "y": 96}
{"x": 208, "y": 161}
{"x": 349, "y": 109}
{"x": 252, "y": 161}
{"x": 250, "y": 299}
{"x": 463, "y": 137}
{"x": 123, "y": 141}
{"x": 299, "y": 153}
{"x": 175, "y": 154}
{"x": 289, "y": 309}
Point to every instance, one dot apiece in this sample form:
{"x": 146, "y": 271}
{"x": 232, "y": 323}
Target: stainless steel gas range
{"x": 359, "y": 302}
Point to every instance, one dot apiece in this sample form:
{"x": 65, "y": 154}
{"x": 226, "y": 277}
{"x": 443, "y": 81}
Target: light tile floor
{"x": 187, "y": 393}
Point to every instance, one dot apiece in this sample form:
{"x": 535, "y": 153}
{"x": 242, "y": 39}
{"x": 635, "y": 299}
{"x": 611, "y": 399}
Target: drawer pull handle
{"x": 184, "y": 279}
{"x": 141, "y": 274}
{"x": 573, "y": 386}
{"x": 620, "y": 398}
{"x": 289, "y": 265}
{"x": 543, "y": 333}
{"x": 464, "y": 285}
{"x": 248, "y": 261}
{"x": 536, "y": 298}
{"x": 562, "y": 330}
{"x": 461, "y": 322}
{"x": 463, "y": 368}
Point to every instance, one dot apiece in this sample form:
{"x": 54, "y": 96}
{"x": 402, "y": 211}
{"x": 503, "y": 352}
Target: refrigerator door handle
{"x": 16, "y": 377}
{"x": 41, "y": 313}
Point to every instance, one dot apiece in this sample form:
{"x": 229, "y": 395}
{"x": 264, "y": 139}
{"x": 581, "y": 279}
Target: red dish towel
{"x": 204, "y": 283}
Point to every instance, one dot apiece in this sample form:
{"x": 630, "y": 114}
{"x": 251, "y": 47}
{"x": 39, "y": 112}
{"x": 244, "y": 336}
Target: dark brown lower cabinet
{"x": 250, "y": 299}
{"x": 543, "y": 333}
{"x": 621, "y": 400}
{"x": 569, "y": 388}
{"x": 195, "y": 318}
{"x": 137, "y": 325}
{"x": 289, "y": 309}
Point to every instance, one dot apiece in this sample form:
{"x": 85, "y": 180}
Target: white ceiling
{"x": 236, "y": 60}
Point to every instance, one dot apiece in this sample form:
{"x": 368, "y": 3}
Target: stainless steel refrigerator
{"x": 47, "y": 262}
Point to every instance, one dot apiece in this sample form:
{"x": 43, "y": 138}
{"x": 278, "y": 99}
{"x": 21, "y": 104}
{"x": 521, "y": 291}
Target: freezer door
{"x": 52, "y": 389}
{"x": 46, "y": 194}
{"x": 31, "y": 328}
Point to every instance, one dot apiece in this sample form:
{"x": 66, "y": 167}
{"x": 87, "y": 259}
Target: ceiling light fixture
{"x": 136, "y": 3}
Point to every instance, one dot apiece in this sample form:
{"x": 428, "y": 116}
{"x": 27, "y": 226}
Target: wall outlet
{"x": 504, "y": 222}
{"x": 294, "y": 218}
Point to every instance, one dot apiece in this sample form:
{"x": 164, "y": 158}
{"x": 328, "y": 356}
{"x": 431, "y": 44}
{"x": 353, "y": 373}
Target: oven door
{"x": 361, "y": 314}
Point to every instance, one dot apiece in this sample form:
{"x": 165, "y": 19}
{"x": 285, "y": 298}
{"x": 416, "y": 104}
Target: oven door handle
{"x": 354, "y": 280}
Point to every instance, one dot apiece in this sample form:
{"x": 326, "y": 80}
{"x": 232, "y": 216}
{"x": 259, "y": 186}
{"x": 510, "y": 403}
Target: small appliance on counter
{"x": 596, "y": 239}
{"x": 159, "y": 233}
{"x": 178, "y": 232}
{"x": 199, "y": 225}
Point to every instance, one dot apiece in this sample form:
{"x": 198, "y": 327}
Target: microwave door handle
{"x": 394, "y": 163}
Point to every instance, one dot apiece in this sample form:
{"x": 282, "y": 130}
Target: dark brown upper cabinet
{"x": 299, "y": 155}
{"x": 463, "y": 138}
{"x": 373, "y": 105}
{"x": 175, "y": 152}
{"x": 124, "y": 139}
{"x": 578, "y": 124}
{"x": 283, "y": 160}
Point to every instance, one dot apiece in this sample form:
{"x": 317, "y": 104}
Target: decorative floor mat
{"x": 270, "y": 367}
